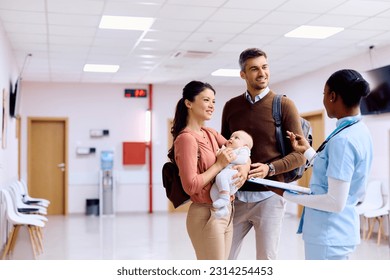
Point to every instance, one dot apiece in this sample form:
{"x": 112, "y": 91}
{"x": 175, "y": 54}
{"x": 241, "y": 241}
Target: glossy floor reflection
{"x": 158, "y": 236}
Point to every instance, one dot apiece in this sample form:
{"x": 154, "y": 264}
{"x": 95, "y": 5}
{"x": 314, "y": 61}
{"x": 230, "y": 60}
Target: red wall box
{"x": 134, "y": 153}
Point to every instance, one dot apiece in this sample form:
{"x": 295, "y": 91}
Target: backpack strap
{"x": 277, "y": 115}
{"x": 198, "y": 155}
{"x": 197, "y": 142}
{"x": 173, "y": 147}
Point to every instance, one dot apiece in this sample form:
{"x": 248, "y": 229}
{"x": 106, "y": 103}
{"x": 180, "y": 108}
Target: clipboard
{"x": 280, "y": 185}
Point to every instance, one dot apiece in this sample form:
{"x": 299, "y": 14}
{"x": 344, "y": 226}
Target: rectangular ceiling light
{"x": 103, "y": 68}
{"x": 226, "y": 73}
{"x": 126, "y": 23}
{"x": 313, "y": 32}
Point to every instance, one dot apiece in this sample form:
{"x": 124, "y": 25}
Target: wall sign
{"x": 134, "y": 153}
{"x": 135, "y": 93}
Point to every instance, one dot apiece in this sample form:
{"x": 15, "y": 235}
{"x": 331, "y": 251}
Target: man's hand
{"x": 259, "y": 170}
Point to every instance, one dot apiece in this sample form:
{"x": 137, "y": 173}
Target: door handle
{"x": 61, "y": 166}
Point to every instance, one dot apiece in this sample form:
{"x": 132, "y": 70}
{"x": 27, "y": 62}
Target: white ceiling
{"x": 63, "y": 35}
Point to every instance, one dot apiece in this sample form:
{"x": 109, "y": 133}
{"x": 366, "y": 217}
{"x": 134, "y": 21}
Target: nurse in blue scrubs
{"x": 341, "y": 166}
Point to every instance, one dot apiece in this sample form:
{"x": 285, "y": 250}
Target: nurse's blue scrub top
{"x": 347, "y": 157}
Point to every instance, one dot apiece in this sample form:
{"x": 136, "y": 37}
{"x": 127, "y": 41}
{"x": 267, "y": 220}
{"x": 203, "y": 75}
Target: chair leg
{"x": 35, "y": 239}
{"x": 15, "y": 236}
{"x": 380, "y": 229}
{"x": 32, "y": 240}
{"x": 8, "y": 244}
{"x": 371, "y": 227}
{"x": 38, "y": 238}
{"x": 388, "y": 227}
{"x": 364, "y": 227}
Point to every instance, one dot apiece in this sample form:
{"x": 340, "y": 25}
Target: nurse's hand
{"x": 298, "y": 142}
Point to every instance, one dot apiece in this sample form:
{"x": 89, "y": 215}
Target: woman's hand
{"x": 225, "y": 156}
{"x": 298, "y": 142}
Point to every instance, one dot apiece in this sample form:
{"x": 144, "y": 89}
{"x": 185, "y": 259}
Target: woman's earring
{"x": 331, "y": 100}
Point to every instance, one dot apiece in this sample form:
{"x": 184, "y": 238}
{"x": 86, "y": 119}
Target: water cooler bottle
{"x": 107, "y": 183}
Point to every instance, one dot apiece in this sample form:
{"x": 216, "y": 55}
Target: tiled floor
{"x": 158, "y": 236}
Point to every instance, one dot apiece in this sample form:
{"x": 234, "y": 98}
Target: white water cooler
{"x": 107, "y": 184}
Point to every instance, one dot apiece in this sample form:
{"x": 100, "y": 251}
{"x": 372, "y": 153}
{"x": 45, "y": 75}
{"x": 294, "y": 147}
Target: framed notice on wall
{"x": 4, "y": 110}
{"x": 1, "y": 114}
{"x": 134, "y": 153}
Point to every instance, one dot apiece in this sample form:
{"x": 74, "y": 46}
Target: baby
{"x": 241, "y": 143}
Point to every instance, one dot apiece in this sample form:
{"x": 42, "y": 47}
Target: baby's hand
{"x": 219, "y": 151}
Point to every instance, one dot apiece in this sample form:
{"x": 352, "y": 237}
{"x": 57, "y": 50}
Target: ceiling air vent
{"x": 191, "y": 54}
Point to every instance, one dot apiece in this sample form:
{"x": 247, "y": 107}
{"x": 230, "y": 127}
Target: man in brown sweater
{"x": 252, "y": 112}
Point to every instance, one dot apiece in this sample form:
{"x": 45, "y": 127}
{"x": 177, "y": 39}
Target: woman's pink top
{"x": 186, "y": 157}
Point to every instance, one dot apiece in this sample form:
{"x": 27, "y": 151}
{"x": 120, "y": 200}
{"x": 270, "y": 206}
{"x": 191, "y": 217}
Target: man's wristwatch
{"x": 271, "y": 171}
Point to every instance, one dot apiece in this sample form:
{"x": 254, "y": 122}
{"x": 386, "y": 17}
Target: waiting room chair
{"x": 27, "y": 198}
{"x": 378, "y": 215}
{"x": 371, "y": 201}
{"x": 31, "y": 221}
{"x": 23, "y": 207}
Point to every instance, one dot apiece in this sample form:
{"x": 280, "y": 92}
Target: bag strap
{"x": 173, "y": 146}
{"x": 198, "y": 155}
{"x": 277, "y": 115}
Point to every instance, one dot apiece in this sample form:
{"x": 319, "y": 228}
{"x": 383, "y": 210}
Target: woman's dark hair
{"x": 350, "y": 85}
{"x": 190, "y": 91}
{"x": 248, "y": 54}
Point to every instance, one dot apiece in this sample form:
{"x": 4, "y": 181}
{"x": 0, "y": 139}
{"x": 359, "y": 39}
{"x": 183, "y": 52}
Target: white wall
{"x": 97, "y": 106}
{"x": 8, "y": 76}
{"x": 92, "y": 106}
{"x": 8, "y": 156}
{"x": 102, "y": 106}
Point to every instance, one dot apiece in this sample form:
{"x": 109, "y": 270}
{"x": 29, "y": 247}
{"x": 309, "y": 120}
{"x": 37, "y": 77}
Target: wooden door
{"x": 316, "y": 120}
{"x": 47, "y": 162}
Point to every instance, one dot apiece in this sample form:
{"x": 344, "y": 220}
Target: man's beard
{"x": 256, "y": 86}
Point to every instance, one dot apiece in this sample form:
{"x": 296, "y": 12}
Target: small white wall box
{"x": 99, "y": 132}
{"x": 85, "y": 150}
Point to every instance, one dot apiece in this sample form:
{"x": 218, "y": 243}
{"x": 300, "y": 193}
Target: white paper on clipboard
{"x": 280, "y": 185}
